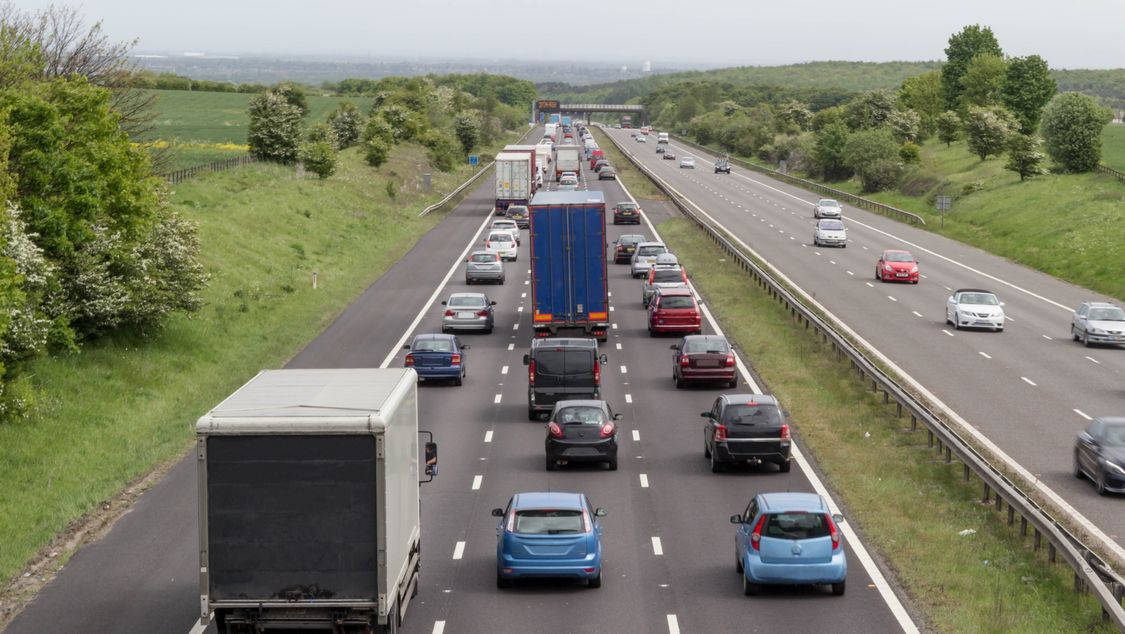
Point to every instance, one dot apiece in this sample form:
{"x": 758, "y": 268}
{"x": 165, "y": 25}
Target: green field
{"x": 123, "y": 406}
{"x": 1113, "y": 146}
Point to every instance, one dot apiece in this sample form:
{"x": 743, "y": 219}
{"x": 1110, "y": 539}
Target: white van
{"x": 662, "y": 137}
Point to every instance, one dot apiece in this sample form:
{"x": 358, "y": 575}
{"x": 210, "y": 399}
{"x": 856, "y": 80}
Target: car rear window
{"x": 500, "y": 237}
{"x": 751, "y": 414}
{"x": 580, "y": 416}
{"x": 484, "y": 257}
{"x": 433, "y": 345}
{"x": 668, "y": 275}
{"x": 548, "y": 522}
{"x": 676, "y": 301}
{"x": 564, "y": 362}
{"x": 717, "y": 347}
{"x": 651, "y": 250}
{"x": 832, "y": 225}
{"x": 627, "y": 240}
{"x": 627, "y": 207}
{"x": 465, "y": 301}
{"x": 796, "y": 525}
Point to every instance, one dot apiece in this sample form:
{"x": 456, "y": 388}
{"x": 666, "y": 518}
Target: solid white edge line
{"x": 459, "y": 550}
{"x": 439, "y": 627}
{"x": 477, "y": 480}
{"x": 673, "y": 624}
{"x": 437, "y": 291}
{"x": 657, "y": 547}
{"x": 1082, "y": 414}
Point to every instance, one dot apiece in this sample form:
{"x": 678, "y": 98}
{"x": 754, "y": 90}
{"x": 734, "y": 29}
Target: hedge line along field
{"x": 1113, "y": 146}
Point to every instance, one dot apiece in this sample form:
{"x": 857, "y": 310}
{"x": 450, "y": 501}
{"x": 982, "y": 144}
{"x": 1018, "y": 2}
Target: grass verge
{"x": 1113, "y": 146}
{"x": 910, "y": 504}
{"x": 124, "y": 405}
{"x": 639, "y": 184}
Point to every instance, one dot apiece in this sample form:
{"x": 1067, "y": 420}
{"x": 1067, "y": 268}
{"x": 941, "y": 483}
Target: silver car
{"x": 467, "y": 311}
{"x": 645, "y": 256}
{"x": 483, "y": 266}
{"x": 688, "y": 162}
{"x": 1098, "y": 322}
{"x": 830, "y": 232}
{"x": 827, "y": 208}
{"x": 662, "y": 276}
{"x": 974, "y": 308}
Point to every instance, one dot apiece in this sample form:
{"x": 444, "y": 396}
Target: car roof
{"x": 483, "y": 252}
{"x": 552, "y": 499}
{"x": 972, "y": 290}
{"x": 886, "y": 251}
{"x": 792, "y": 502}
{"x": 1111, "y": 420}
{"x": 564, "y": 342}
{"x": 480, "y": 296}
{"x": 580, "y": 402}
{"x": 676, "y": 291}
{"x": 1100, "y": 304}
{"x": 743, "y": 399}
{"x": 434, "y": 337}
{"x": 651, "y": 244}
{"x": 706, "y": 338}
{"x": 828, "y": 200}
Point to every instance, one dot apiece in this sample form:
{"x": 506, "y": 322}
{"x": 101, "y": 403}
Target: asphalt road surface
{"x": 669, "y": 546}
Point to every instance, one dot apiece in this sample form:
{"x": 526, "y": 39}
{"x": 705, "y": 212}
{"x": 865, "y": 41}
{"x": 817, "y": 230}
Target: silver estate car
{"x": 467, "y": 311}
{"x": 484, "y": 266}
{"x": 645, "y": 256}
{"x": 827, "y": 208}
{"x": 1098, "y": 322}
{"x": 662, "y": 276}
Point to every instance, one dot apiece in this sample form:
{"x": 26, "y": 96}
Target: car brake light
{"x": 482, "y": 313}
{"x": 409, "y": 359}
{"x": 607, "y": 430}
{"x": 833, "y": 531}
{"x": 597, "y": 373}
{"x": 730, "y": 360}
{"x": 512, "y": 522}
{"x": 720, "y": 433}
{"x": 585, "y": 522}
{"x": 785, "y": 432}
{"x": 531, "y": 373}
{"x": 456, "y": 360}
{"x": 554, "y": 429}
{"x": 448, "y": 313}
{"x": 684, "y": 361}
{"x": 756, "y": 535}
{"x": 684, "y": 272}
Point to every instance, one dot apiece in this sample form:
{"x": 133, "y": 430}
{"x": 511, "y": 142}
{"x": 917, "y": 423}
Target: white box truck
{"x": 309, "y": 512}
{"x": 543, "y": 160}
{"x": 515, "y": 182}
{"x": 568, "y": 158}
{"x": 533, "y": 150}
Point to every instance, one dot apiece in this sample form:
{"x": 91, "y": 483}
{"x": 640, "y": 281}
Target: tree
{"x": 796, "y": 113}
{"x": 1027, "y": 88}
{"x": 963, "y": 47}
{"x": 987, "y": 130}
{"x": 346, "y": 122}
{"x": 874, "y": 156}
{"x": 906, "y": 125}
{"x": 319, "y": 157}
{"x": 828, "y": 116}
{"x": 983, "y": 81}
{"x": 1072, "y": 127}
{"x": 869, "y": 109}
{"x": 948, "y": 127}
{"x": 321, "y": 133}
{"x": 378, "y": 128}
{"x": 922, "y": 94}
{"x": 910, "y": 153}
{"x": 467, "y": 128}
{"x": 275, "y": 128}
{"x": 293, "y": 94}
{"x": 441, "y": 150}
{"x": 1024, "y": 157}
{"x": 376, "y": 151}
{"x": 687, "y": 108}
{"x": 828, "y": 151}
{"x": 405, "y": 124}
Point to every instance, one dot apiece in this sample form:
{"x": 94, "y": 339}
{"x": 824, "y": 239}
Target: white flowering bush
{"x": 27, "y": 276}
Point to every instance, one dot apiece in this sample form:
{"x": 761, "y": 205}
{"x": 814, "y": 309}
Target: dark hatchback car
{"x": 582, "y": 431}
{"x": 746, "y": 429}
{"x": 625, "y": 246}
{"x": 600, "y": 165}
{"x": 626, "y": 213}
{"x": 561, "y": 369}
{"x": 607, "y": 173}
{"x": 1099, "y": 454}
{"x": 701, "y": 358}
{"x": 520, "y": 215}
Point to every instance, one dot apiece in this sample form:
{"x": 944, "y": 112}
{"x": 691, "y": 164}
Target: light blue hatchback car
{"x": 789, "y": 539}
{"x": 549, "y": 535}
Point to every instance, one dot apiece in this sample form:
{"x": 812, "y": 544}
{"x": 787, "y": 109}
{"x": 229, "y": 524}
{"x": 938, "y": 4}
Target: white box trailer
{"x": 568, "y": 158}
{"x": 536, "y": 171}
{"x": 309, "y": 512}
{"x": 514, "y": 179}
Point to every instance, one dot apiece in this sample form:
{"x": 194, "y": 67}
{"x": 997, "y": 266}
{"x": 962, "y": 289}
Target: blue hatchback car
{"x": 549, "y": 535}
{"x": 437, "y": 357}
{"x": 789, "y": 539}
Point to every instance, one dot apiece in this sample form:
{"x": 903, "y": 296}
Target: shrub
{"x": 321, "y": 133}
{"x": 873, "y": 155}
{"x": 376, "y": 151}
{"x": 346, "y": 122}
{"x": 1072, "y": 126}
{"x": 949, "y": 127}
{"x": 275, "y": 128}
{"x": 987, "y": 130}
{"x": 910, "y": 153}
{"x": 378, "y": 128}
{"x": 319, "y": 157}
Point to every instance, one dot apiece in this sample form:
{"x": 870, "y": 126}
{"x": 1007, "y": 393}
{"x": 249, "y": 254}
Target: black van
{"x": 560, "y": 369}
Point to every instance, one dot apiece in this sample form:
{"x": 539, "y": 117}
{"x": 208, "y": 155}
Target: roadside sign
{"x": 474, "y": 159}
{"x": 943, "y": 204}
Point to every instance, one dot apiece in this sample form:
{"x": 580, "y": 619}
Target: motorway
{"x": 669, "y": 546}
{"x": 1028, "y": 390}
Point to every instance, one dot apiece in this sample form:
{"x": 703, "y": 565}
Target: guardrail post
{"x": 948, "y": 455}
{"x": 913, "y": 423}
{"x": 1051, "y": 552}
{"x": 1038, "y": 539}
{"x": 898, "y": 413}
{"x": 1011, "y": 515}
{"x": 966, "y": 473}
{"x": 987, "y": 493}
{"x": 1023, "y": 526}
{"x": 1000, "y": 503}
{"x": 930, "y": 439}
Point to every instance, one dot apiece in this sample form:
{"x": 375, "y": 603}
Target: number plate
{"x": 902, "y": 275}
{"x": 465, "y": 315}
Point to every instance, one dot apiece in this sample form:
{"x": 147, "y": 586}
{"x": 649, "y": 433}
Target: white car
{"x": 974, "y": 308}
{"x": 829, "y": 232}
{"x": 827, "y": 208}
{"x": 641, "y": 139}
{"x": 502, "y": 243}
{"x": 688, "y": 162}
{"x": 568, "y": 182}
{"x": 1098, "y": 322}
{"x": 507, "y": 225}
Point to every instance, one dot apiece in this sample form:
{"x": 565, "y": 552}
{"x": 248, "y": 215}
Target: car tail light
{"x": 512, "y": 522}
{"x": 720, "y": 434}
{"x": 730, "y": 360}
{"x": 586, "y": 523}
{"x": 554, "y": 429}
{"x": 409, "y": 359}
{"x": 531, "y": 373}
{"x": 448, "y": 313}
{"x": 482, "y": 313}
{"x": 456, "y": 360}
{"x": 607, "y": 430}
{"x": 833, "y": 531}
{"x": 684, "y": 272}
{"x": 756, "y": 535}
{"x": 785, "y": 432}
{"x": 597, "y": 373}
{"x": 684, "y": 361}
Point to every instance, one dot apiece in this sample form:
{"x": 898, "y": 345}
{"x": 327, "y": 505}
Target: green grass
{"x": 123, "y": 406}
{"x": 908, "y": 503}
{"x": 190, "y": 155}
{"x": 1113, "y": 146}
{"x": 640, "y": 185}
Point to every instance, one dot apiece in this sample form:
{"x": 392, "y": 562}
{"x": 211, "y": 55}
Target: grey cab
{"x": 560, "y": 369}
{"x": 468, "y": 311}
{"x": 1098, "y": 322}
{"x": 1099, "y": 454}
{"x": 484, "y": 266}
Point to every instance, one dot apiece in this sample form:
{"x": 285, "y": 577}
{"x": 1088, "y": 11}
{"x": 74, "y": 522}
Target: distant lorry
{"x": 536, "y": 172}
{"x": 626, "y": 121}
{"x": 309, "y": 512}
{"x": 568, "y": 158}
{"x": 544, "y": 162}
{"x": 662, "y": 137}
{"x": 551, "y": 130}
{"x": 566, "y": 122}
{"x": 515, "y": 180}
{"x": 569, "y": 291}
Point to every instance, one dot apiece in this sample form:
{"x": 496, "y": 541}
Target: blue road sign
{"x": 474, "y": 159}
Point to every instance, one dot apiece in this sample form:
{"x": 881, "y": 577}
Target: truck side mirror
{"x": 603, "y": 359}
{"x": 431, "y": 459}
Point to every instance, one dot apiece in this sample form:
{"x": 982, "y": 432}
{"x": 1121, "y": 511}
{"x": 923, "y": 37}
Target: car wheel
{"x": 706, "y": 450}
{"x": 551, "y": 464}
{"x": 956, "y": 321}
{"x": 839, "y": 588}
{"x": 488, "y": 331}
{"x": 501, "y": 582}
{"x": 651, "y": 332}
{"x": 785, "y": 467}
{"x": 750, "y": 589}
{"x": 595, "y": 581}
{"x": 878, "y": 276}
{"x": 716, "y": 466}
{"x": 532, "y": 415}
{"x": 679, "y": 382}
{"x": 733, "y": 382}
{"x": 612, "y": 464}
{"x": 1074, "y": 333}
{"x": 737, "y": 562}
{"x": 1086, "y": 339}
{"x": 501, "y": 281}
{"x": 1077, "y": 466}
{"x": 468, "y": 281}
{"x": 459, "y": 380}
{"x": 1099, "y": 483}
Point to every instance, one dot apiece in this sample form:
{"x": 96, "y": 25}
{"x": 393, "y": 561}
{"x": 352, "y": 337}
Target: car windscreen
{"x": 580, "y": 416}
{"x": 751, "y": 414}
{"x": 549, "y": 521}
{"x": 979, "y": 299}
{"x": 484, "y": 257}
{"x": 796, "y": 525}
{"x": 832, "y": 225}
{"x": 676, "y": 301}
{"x": 1114, "y": 436}
{"x": 651, "y": 250}
{"x": 898, "y": 257}
{"x": 716, "y": 347}
{"x": 1107, "y": 314}
{"x": 828, "y": 202}
{"x": 465, "y": 301}
{"x": 667, "y": 275}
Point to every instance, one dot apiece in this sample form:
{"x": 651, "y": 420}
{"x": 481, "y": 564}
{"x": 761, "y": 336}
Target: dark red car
{"x": 897, "y": 266}
{"x": 701, "y": 358}
{"x": 674, "y": 310}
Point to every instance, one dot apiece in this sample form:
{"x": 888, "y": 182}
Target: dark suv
{"x": 746, "y": 429}
{"x": 562, "y": 369}
{"x": 722, "y": 165}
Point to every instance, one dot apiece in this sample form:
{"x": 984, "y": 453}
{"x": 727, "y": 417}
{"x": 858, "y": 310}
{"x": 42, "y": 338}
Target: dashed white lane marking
{"x": 459, "y": 550}
{"x": 628, "y": 398}
{"x": 636, "y": 435}
{"x": 526, "y": 282}
{"x": 850, "y": 273}
{"x": 816, "y": 252}
{"x": 511, "y": 346}
{"x": 870, "y": 284}
{"x": 618, "y": 344}
{"x": 516, "y": 326}
{"x": 865, "y": 248}
{"x": 523, "y": 295}
{"x": 890, "y": 297}
{"x": 439, "y": 627}
{"x": 1047, "y": 337}
{"x": 488, "y": 436}
{"x": 1028, "y": 381}
{"x": 609, "y": 293}
{"x": 657, "y": 547}
{"x": 1082, "y": 414}
{"x": 614, "y": 326}
{"x": 624, "y": 370}
{"x": 519, "y": 309}
{"x": 792, "y": 238}
{"x": 916, "y": 313}
{"x": 948, "y": 289}
{"x": 983, "y": 354}
{"x": 477, "y": 480}
{"x": 504, "y": 370}
{"x": 496, "y": 399}
{"x": 832, "y": 261}
{"x": 1094, "y": 360}
{"x": 611, "y": 309}
{"x": 947, "y": 332}
{"x": 644, "y": 480}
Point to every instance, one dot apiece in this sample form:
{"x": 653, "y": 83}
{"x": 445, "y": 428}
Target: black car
{"x": 627, "y": 213}
{"x": 600, "y": 165}
{"x": 561, "y": 369}
{"x": 582, "y": 431}
{"x": 1099, "y": 454}
{"x": 722, "y": 165}
{"x": 607, "y": 173}
{"x": 625, "y": 246}
{"x": 746, "y": 429}
{"x": 520, "y": 215}
{"x": 660, "y": 149}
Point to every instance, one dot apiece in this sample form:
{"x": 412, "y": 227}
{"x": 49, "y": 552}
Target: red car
{"x": 674, "y": 310}
{"x": 897, "y": 266}
{"x": 704, "y": 358}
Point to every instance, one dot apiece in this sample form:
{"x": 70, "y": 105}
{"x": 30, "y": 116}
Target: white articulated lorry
{"x": 309, "y": 513}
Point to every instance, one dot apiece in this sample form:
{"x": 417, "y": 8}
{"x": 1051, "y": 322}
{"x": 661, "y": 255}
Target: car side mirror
{"x": 466, "y": 347}
{"x": 674, "y": 347}
{"x": 837, "y": 518}
{"x": 492, "y": 303}
{"x": 736, "y": 519}
{"x": 603, "y": 359}
{"x": 617, "y": 417}
{"x": 599, "y": 512}
{"x": 527, "y": 359}
{"x": 1001, "y": 303}
{"x": 705, "y": 414}
{"x": 497, "y": 512}
{"x": 443, "y": 302}
{"x": 406, "y": 347}
{"x": 1082, "y": 317}
{"x": 466, "y": 260}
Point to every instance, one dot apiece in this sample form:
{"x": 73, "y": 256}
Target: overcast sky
{"x": 1068, "y": 34}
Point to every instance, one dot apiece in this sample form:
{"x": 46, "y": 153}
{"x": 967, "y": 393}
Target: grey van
{"x": 562, "y": 369}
